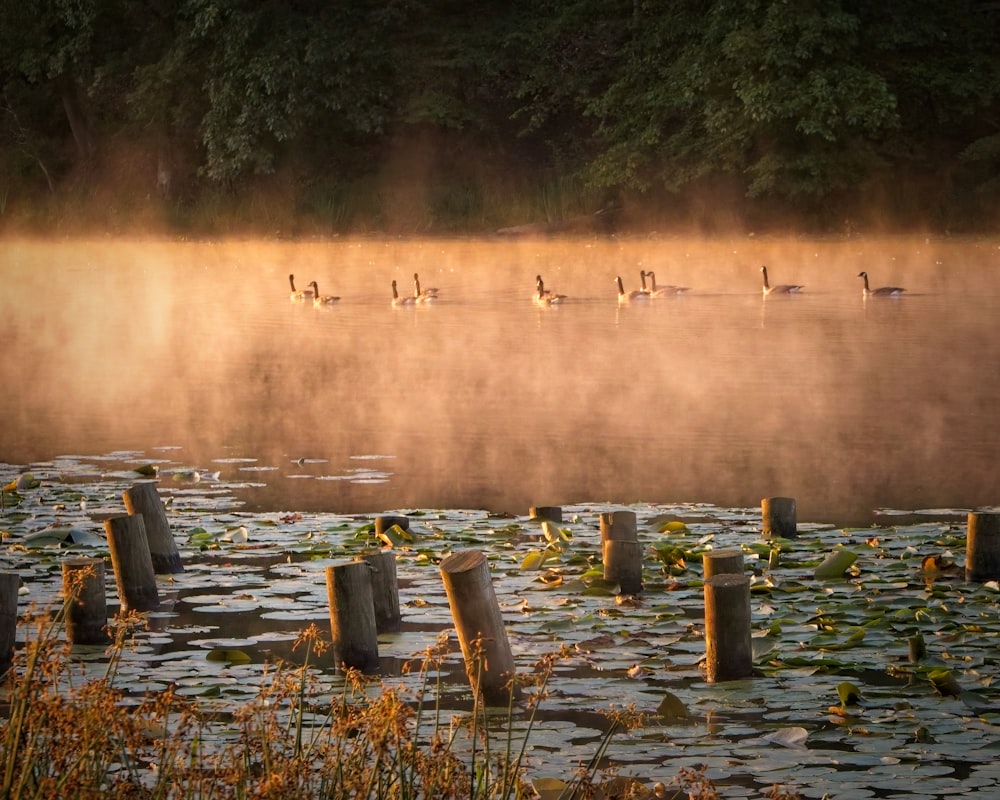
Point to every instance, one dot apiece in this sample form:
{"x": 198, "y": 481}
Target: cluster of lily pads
{"x": 875, "y": 660}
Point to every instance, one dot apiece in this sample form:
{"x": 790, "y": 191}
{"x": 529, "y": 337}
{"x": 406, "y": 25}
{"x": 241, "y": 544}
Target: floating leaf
{"x": 672, "y": 527}
{"x": 944, "y": 682}
{"x": 395, "y": 536}
{"x": 794, "y": 738}
{"x": 548, "y": 788}
{"x": 835, "y": 565}
{"x": 554, "y": 533}
{"x": 672, "y": 709}
{"x": 149, "y": 470}
{"x": 226, "y": 656}
{"x": 849, "y": 693}
{"x": 535, "y": 559}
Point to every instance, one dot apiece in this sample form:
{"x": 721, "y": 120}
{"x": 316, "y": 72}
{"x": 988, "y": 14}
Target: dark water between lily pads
{"x": 193, "y": 354}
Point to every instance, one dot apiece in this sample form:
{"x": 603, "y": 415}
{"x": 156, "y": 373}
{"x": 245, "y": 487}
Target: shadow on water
{"x": 485, "y": 400}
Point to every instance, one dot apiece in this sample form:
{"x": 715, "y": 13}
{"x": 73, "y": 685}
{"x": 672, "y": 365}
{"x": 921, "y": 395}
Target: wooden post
{"x": 982, "y": 547}
{"x": 87, "y": 604}
{"x": 489, "y": 662}
{"x": 132, "y": 563}
{"x": 352, "y": 615}
{"x": 10, "y": 582}
{"x": 728, "y": 649}
{"x": 621, "y": 551}
{"x": 385, "y": 590}
{"x": 144, "y": 499}
{"x": 623, "y": 564}
{"x": 779, "y": 517}
{"x": 618, "y": 525}
{"x": 383, "y": 523}
{"x": 551, "y": 513}
{"x": 722, "y": 562}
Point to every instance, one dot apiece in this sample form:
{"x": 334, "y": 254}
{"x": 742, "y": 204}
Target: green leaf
{"x": 672, "y": 709}
{"x": 835, "y": 565}
{"x": 221, "y": 655}
{"x": 849, "y": 693}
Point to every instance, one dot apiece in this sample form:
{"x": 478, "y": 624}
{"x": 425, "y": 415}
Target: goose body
{"x": 781, "y": 288}
{"x": 299, "y": 294}
{"x": 881, "y": 291}
{"x": 321, "y": 299}
{"x": 628, "y": 297}
{"x": 662, "y": 291}
{"x": 543, "y": 296}
{"x": 405, "y": 300}
{"x": 423, "y": 295}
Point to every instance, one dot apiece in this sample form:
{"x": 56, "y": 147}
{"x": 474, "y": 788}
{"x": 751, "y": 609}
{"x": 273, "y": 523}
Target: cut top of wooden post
{"x": 618, "y": 525}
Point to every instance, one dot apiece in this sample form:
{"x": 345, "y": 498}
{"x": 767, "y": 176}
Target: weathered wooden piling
{"x": 728, "y": 647}
{"x": 982, "y": 547}
{"x": 132, "y": 563}
{"x": 621, "y": 552}
{"x": 623, "y": 564}
{"x": 618, "y": 526}
{"x": 489, "y": 662}
{"x": 352, "y": 615}
{"x": 10, "y": 582}
{"x": 551, "y": 513}
{"x": 386, "y": 521}
{"x": 144, "y": 499}
{"x": 722, "y": 562}
{"x": 779, "y": 517}
{"x": 385, "y": 590}
{"x": 87, "y": 604}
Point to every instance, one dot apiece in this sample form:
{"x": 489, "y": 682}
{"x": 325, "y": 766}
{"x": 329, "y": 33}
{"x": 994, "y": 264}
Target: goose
{"x": 662, "y": 291}
{"x": 881, "y": 291}
{"x": 407, "y": 300}
{"x": 423, "y": 295}
{"x": 299, "y": 294}
{"x": 628, "y": 297}
{"x": 321, "y": 299}
{"x": 781, "y": 288}
{"x": 543, "y": 296}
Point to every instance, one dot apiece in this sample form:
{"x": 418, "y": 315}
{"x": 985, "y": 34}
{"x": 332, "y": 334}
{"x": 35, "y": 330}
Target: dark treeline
{"x": 446, "y": 116}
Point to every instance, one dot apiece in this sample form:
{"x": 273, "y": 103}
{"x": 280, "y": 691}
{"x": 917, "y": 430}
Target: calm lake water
{"x": 193, "y": 353}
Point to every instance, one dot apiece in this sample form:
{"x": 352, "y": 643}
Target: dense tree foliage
{"x": 811, "y": 105}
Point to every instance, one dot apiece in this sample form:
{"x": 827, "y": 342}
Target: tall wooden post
{"x": 489, "y": 662}
{"x": 132, "y": 563}
{"x": 982, "y": 547}
{"x": 728, "y": 647}
{"x": 722, "y": 562}
{"x": 144, "y": 499}
{"x": 87, "y": 604}
{"x": 385, "y": 590}
{"x": 10, "y": 582}
{"x": 352, "y": 616}
{"x": 779, "y": 517}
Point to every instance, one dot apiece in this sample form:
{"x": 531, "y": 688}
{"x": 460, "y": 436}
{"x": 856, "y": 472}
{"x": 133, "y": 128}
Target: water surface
{"x": 193, "y": 353}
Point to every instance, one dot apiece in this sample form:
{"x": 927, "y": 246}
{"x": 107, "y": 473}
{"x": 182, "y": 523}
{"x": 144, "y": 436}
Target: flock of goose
{"x": 547, "y": 297}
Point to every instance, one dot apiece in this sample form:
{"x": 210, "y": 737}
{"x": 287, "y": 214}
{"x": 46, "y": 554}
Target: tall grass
{"x": 65, "y": 735}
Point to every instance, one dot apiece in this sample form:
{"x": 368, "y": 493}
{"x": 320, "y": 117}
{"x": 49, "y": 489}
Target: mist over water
{"x": 484, "y": 400}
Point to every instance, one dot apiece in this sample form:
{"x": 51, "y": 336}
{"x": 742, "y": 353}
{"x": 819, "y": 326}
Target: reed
{"x": 67, "y": 735}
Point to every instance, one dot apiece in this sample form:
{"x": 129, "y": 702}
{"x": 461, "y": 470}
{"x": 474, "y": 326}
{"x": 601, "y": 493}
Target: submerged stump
{"x": 144, "y": 499}
{"x": 132, "y": 563}
{"x": 87, "y": 603}
{"x": 982, "y": 547}
{"x": 489, "y": 662}
{"x": 352, "y": 616}
{"x": 728, "y": 647}
{"x": 778, "y": 515}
